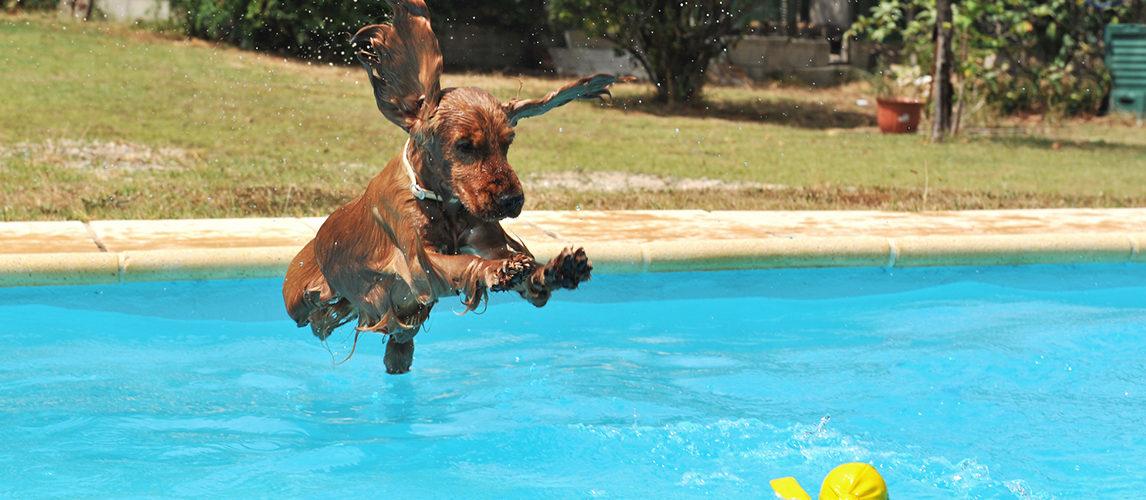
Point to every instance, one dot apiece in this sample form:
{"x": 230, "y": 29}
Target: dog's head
{"x": 461, "y": 136}
{"x": 471, "y": 135}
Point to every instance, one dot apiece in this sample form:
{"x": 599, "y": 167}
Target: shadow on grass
{"x": 1018, "y": 139}
{"x": 791, "y": 113}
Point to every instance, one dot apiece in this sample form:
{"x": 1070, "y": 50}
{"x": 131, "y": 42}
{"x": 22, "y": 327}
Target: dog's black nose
{"x": 511, "y": 204}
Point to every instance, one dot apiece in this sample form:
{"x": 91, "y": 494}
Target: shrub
{"x": 29, "y": 5}
{"x": 1014, "y": 56}
{"x": 674, "y": 41}
{"x": 320, "y": 29}
{"x": 313, "y": 29}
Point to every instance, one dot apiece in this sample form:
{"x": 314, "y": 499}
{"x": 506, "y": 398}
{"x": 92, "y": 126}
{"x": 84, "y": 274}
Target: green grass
{"x": 256, "y": 134}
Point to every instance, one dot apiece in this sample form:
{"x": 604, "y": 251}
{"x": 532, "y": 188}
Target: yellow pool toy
{"x": 853, "y": 481}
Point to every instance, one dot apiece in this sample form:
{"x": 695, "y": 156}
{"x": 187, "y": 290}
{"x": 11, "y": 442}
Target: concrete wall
{"x": 582, "y": 62}
{"x": 131, "y": 10}
{"x": 583, "y": 56}
{"x": 761, "y": 56}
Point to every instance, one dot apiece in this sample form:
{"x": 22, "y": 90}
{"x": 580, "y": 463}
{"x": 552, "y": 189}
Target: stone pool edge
{"x": 47, "y": 269}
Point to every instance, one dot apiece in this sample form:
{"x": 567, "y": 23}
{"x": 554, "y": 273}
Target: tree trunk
{"x": 791, "y": 9}
{"x": 675, "y": 85}
{"x": 677, "y": 66}
{"x": 941, "y": 79}
{"x": 78, "y": 9}
{"x": 674, "y": 40}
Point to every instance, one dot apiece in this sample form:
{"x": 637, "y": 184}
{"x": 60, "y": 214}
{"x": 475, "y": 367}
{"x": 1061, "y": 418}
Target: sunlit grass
{"x": 256, "y": 134}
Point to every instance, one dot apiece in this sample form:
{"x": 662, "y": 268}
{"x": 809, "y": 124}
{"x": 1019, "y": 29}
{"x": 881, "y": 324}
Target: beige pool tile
{"x": 45, "y": 237}
{"x": 313, "y": 222}
{"x": 768, "y": 253}
{"x": 200, "y": 264}
{"x": 784, "y": 224}
{"x": 47, "y": 269}
{"x": 119, "y": 236}
{"x": 972, "y": 222}
{"x": 1045, "y": 221}
{"x": 1013, "y": 249}
{"x": 636, "y": 225}
{"x": 528, "y": 232}
{"x": 617, "y": 242}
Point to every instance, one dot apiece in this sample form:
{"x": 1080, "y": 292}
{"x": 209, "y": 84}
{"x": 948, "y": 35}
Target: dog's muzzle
{"x": 511, "y": 204}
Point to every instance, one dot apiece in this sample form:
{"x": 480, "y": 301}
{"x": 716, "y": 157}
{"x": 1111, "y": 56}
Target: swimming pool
{"x": 991, "y": 382}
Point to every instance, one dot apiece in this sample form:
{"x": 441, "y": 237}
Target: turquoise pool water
{"x": 961, "y": 383}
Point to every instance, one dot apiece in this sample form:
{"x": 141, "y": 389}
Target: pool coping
{"x": 617, "y": 242}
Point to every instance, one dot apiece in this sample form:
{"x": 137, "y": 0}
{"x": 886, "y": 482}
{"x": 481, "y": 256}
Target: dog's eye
{"x": 466, "y": 147}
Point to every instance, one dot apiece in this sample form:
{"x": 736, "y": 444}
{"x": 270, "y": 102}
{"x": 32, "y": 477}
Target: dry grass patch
{"x": 814, "y": 198}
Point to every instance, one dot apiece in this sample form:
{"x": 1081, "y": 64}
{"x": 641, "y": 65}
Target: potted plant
{"x": 899, "y": 90}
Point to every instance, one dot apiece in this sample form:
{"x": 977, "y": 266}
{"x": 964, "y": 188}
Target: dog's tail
{"x": 310, "y": 300}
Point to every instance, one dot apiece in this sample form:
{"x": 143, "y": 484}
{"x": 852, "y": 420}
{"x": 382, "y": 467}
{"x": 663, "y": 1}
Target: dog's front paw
{"x": 568, "y": 269}
{"x": 514, "y": 270}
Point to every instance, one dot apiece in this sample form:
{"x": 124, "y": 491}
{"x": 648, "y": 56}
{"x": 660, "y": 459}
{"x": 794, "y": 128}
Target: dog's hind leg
{"x": 302, "y": 276}
{"x": 310, "y": 300}
{"x": 399, "y": 355}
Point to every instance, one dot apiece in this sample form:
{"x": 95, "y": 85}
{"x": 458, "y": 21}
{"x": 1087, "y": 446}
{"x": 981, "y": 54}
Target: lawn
{"x": 101, "y": 121}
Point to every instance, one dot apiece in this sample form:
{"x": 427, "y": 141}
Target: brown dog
{"x": 427, "y": 225}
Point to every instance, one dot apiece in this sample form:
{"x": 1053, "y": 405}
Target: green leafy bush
{"x": 320, "y": 29}
{"x": 673, "y": 40}
{"x": 29, "y": 5}
{"x": 306, "y": 28}
{"x": 521, "y": 16}
{"x": 1012, "y": 56}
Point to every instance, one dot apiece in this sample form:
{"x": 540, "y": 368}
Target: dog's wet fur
{"x": 385, "y": 258}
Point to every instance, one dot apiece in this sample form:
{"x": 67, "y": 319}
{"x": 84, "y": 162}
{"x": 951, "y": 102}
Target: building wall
{"x": 583, "y": 55}
{"x": 762, "y": 56}
{"x": 830, "y": 13}
{"x": 131, "y": 10}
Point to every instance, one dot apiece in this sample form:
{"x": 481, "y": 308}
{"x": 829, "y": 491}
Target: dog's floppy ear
{"x": 589, "y": 87}
{"x": 404, "y": 63}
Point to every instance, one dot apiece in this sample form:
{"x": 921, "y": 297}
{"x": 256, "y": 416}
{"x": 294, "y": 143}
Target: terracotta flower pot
{"x": 898, "y": 116}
